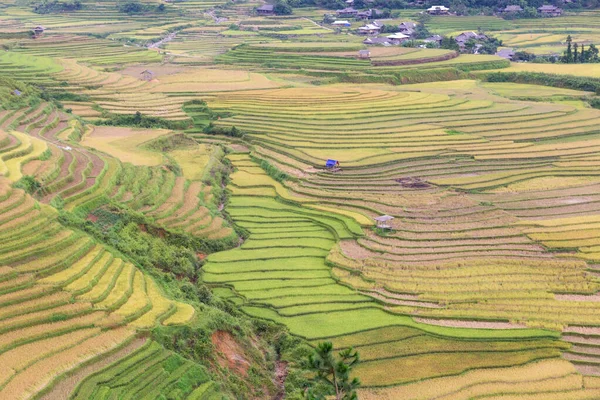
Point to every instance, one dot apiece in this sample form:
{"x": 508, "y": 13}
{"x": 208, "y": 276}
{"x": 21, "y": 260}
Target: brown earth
{"x": 229, "y": 353}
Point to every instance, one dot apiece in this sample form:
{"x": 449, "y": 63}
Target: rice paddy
{"x": 484, "y": 285}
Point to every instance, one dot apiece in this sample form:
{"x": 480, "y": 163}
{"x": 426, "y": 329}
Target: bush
{"x": 48, "y": 7}
{"x": 132, "y": 8}
{"x": 540, "y": 78}
{"x": 29, "y": 184}
{"x": 140, "y": 120}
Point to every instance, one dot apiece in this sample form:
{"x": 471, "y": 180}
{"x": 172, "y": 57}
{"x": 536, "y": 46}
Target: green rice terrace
{"x": 199, "y": 198}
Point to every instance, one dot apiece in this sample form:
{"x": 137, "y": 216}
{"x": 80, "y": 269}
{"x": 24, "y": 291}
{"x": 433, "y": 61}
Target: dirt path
{"x": 281, "y": 373}
{"x": 162, "y": 41}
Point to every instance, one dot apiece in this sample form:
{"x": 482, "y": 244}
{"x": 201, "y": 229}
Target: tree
{"x": 131, "y": 8}
{"x": 592, "y": 55}
{"x": 421, "y": 31}
{"x": 583, "y": 54}
{"x": 470, "y": 45}
{"x": 568, "y": 56}
{"x": 29, "y": 184}
{"x": 282, "y": 8}
{"x": 575, "y": 53}
{"x": 449, "y": 43}
{"x": 334, "y": 373}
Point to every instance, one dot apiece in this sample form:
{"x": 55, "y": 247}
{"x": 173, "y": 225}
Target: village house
{"x": 407, "y": 28}
{"x": 266, "y": 9}
{"x": 370, "y": 29}
{"x": 550, "y": 11}
{"x": 398, "y": 38}
{"x": 511, "y": 9}
{"x": 434, "y": 39}
{"x": 346, "y": 12}
{"x": 374, "y": 41}
{"x": 464, "y": 37}
{"x": 369, "y": 14}
{"x": 438, "y": 10}
{"x": 506, "y": 53}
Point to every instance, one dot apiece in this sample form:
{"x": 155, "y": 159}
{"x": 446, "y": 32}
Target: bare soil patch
{"x": 469, "y": 324}
{"x": 578, "y": 297}
{"x": 583, "y": 330}
{"x": 229, "y": 353}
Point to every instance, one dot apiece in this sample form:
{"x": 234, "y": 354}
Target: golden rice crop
{"x": 27, "y": 333}
{"x": 86, "y": 279}
{"x": 18, "y": 358}
{"x": 434, "y": 388}
{"x": 121, "y": 288}
{"x": 29, "y": 318}
{"x": 138, "y": 299}
{"x": 160, "y": 305}
{"x": 75, "y": 269}
{"x": 104, "y": 282}
{"x": 184, "y": 314}
{"x": 37, "y": 376}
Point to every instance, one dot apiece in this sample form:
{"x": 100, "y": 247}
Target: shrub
{"x": 29, "y": 184}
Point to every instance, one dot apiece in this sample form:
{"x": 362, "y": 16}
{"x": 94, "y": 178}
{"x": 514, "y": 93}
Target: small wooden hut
{"x": 37, "y": 32}
{"x": 383, "y": 222}
{"x": 147, "y": 75}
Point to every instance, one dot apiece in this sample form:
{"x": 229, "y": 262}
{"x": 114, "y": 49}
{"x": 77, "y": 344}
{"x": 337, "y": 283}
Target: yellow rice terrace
{"x": 223, "y": 200}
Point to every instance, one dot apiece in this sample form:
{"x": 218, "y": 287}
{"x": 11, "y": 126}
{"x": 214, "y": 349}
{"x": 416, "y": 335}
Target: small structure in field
{"x": 147, "y": 75}
{"x": 332, "y": 165}
{"x": 17, "y": 92}
{"x": 383, "y": 222}
{"x": 438, "y": 10}
{"x": 37, "y": 32}
{"x": 364, "y": 54}
{"x": 410, "y": 182}
{"x": 267, "y": 9}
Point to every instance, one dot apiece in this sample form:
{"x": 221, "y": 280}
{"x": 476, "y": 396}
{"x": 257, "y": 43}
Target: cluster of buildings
{"x": 406, "y": 31}
{"x": 544, "y": 11}
{"x": 350, "y": 12}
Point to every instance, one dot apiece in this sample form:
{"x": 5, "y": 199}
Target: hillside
{"x": 170, "y": 228}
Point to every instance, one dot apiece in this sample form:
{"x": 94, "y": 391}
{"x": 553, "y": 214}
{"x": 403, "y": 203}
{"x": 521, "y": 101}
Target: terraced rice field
{"x": 470, "y": 245}
{"x": 486, "y": 286}
{"x": 54, "y": 286}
